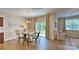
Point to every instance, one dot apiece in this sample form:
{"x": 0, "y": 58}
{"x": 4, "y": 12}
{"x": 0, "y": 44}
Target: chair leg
{"x": 36, "y": 40}
{"x": 18, "y": 40}
{"x": 23, "y": 41}
{"x": 27, "y": 41}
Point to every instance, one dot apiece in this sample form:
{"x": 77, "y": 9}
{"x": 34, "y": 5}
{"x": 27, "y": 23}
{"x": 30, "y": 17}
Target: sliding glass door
{"x": 41, "y": 26}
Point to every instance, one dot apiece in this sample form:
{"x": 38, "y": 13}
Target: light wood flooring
{"x": 42, "y": 44}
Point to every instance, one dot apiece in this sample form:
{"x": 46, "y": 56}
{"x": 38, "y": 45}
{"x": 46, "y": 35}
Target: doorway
{"x": 41, "y": 26}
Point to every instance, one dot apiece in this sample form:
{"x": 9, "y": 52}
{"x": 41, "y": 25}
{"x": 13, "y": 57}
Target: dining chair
{"x": 19, "y": 36}
{"x": 36, "y": 36}
{"x": 26, "y": 38}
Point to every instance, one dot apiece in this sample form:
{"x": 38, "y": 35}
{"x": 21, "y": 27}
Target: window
{"x": 72, "y": 24}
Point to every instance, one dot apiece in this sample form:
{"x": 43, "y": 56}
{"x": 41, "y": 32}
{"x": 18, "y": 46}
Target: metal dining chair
{"x": 36, "y": 36}
{"x": 19, "y": 36}
{"x": 26, "y": 38}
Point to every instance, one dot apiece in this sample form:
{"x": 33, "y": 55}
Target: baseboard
{"x": 10, "y": 39}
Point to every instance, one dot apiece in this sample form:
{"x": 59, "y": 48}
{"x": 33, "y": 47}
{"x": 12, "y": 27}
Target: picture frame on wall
{"x": 13, "y": 24}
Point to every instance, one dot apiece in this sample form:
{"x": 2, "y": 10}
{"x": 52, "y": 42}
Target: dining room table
{"x": 28, "y": 36}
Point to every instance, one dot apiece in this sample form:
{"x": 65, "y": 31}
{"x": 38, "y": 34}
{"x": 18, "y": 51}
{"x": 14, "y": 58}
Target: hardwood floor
{"x": 42, "y": 44}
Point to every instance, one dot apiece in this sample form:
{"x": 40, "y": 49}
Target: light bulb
{"x": 26, "y": 21}
{"x": 29, "y": 21}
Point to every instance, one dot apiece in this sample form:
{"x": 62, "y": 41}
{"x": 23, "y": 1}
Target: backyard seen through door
{"x": 41, "y": 26}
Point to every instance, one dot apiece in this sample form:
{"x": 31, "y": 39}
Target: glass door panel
{"x": 41, "y": 26}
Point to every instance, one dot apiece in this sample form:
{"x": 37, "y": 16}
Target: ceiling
{"x": 30, "y": 12}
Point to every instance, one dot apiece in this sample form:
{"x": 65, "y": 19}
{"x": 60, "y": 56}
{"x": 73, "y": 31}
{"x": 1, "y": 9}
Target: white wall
{"x": 9, "y": 32}
{"x": 66, "y": 13}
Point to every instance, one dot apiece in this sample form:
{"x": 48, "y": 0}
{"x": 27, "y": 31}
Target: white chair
{"x": 35, "y": 35}
{"x": 19, "y": 35}
{"x": 61, "y": 35}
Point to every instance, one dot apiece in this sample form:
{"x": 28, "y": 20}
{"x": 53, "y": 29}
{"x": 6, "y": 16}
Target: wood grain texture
{"x": 2, "y": 37}
{"x": 1, "y": 21}
{"x": 42, "y": 44}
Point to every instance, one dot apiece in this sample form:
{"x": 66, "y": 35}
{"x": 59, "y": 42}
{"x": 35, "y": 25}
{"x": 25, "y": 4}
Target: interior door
{"x": 1, "y": 33}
